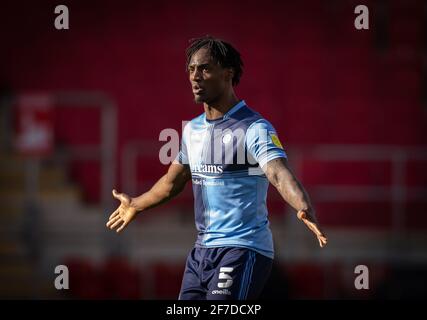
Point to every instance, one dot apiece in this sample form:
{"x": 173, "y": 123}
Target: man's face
{"x": 208, "y": 79}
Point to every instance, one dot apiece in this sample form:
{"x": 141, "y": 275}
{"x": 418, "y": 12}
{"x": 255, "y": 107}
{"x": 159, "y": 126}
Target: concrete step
{"x": 10, "y": 161}
{"x": 9, "y": 250}
{"x": 17, "y": 290}
{"x": 71, "y": 214}
{"x": 17, "y": 198}
{"x": 15, "y": 179}
{"x": 10, "y": 213}
{"x": 12, "y": 224}
{"x": 17, "y": 281}
{"x": 11, "y": 271}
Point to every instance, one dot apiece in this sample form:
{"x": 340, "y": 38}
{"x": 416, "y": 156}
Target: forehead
{"x": 201, "y": 56}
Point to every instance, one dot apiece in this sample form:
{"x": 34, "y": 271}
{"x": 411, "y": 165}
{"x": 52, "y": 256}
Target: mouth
{"x": 198, "y": 90}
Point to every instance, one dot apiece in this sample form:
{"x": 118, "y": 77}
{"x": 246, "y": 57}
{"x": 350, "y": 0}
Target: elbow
{"x": 175, "y": 190}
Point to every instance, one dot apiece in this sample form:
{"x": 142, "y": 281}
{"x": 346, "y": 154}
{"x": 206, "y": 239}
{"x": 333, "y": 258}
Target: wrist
{"x": 134, "y": 205}
{"x": 307, "y": 213}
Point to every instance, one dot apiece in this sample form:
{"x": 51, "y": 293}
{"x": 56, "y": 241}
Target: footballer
{"x": 231, "y": 154}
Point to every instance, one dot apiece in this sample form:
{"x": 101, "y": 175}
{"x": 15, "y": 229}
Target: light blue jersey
{"x": 230, "y": 189}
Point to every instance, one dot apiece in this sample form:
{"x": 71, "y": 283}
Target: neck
{"x": 217, "y": 109}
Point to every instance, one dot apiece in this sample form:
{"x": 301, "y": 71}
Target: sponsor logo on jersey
{"x": 208, "y": 168}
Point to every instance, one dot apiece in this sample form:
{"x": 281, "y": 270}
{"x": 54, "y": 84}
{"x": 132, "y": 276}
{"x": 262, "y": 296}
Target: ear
{"x": 229, "y": 74}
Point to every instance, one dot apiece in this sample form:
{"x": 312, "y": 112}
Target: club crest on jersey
{"x": 226, "y": 138}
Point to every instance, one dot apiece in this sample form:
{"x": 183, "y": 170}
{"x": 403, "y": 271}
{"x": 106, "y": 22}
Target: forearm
{"x": 162, "y": 191}
{"x": 293, "y": 192}
{"x": 281, "y": 176}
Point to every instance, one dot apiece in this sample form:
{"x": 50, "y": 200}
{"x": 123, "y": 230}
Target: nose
{"x": 196, "y": 75}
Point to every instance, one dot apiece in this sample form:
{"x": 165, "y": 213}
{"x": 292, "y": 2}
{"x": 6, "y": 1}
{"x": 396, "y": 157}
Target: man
{"x": 231, "y": 154}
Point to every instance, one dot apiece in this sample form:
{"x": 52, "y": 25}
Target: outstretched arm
{"x": 167, "y": 187}
{"x": 280, "y": 175}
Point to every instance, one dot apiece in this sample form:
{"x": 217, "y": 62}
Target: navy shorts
{"x": 224, "y": 273}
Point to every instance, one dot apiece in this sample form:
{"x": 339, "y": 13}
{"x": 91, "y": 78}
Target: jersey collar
{"x": 227, "y": 115}
{"x": 234, "y": 109}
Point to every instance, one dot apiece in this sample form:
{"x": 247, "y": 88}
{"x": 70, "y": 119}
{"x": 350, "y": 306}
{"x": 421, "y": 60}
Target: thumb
{"x": 115, "y": 194}
{"x": 122, "y": 197}
{"x": 301, "y": 214}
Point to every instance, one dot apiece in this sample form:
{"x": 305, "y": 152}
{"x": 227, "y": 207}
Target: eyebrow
{"x": 199, "y": 65}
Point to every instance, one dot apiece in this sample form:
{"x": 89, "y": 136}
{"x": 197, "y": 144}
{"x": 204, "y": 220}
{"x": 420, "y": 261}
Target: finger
{"x": 301, "y": 215}
{"x": 123, "y": 226}
{"x": 115, "y": 224}
{"x": 316, "y": 229}
{"x": 115, "y": 219}
{"x": 312, "y": 227}
{"x": 322, "y": 241}
{"x": 113, "y": 214}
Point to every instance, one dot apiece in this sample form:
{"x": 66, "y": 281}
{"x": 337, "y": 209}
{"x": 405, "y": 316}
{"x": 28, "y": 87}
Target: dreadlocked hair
{"x": 221, "y": 52}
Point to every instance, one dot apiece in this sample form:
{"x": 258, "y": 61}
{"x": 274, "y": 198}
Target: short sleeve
{"x": 262, "y": 142}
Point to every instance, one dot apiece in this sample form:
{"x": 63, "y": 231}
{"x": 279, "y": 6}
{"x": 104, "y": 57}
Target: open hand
{"x": 124, "y": 213}
{"x": 312, "y": 225}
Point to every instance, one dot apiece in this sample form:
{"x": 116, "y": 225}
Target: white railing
{"x": 397, "y": 192}
{"x": 105, "y": 151}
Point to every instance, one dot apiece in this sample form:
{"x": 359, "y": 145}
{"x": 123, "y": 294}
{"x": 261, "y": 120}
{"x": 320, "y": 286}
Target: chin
{"x": 199, "y": 99}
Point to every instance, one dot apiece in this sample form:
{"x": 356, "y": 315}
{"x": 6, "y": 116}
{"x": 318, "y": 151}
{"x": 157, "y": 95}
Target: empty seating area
{"x": 350, "y": 108}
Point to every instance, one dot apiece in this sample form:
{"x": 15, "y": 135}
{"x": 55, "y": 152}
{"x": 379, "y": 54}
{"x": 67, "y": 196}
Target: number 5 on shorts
{"x": 224, "y": 275}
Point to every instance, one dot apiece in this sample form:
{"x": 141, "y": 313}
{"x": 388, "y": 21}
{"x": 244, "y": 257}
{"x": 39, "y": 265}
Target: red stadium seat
{"x": 122, "y": 281}
{"x": 167, "y": 279}
{"x": 86, "y": 282}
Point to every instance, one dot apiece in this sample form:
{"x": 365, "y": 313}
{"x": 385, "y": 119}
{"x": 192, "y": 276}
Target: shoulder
{"x": 253, "y": 119}
{"x": 246, "y": 116}
{"x": 193, "y": 124}
{"x": 260, "y": 130}
{"x": 261, "y": 124}
{"x": 198, "y": 120}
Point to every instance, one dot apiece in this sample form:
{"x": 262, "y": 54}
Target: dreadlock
{"x": 221, "y": 52}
